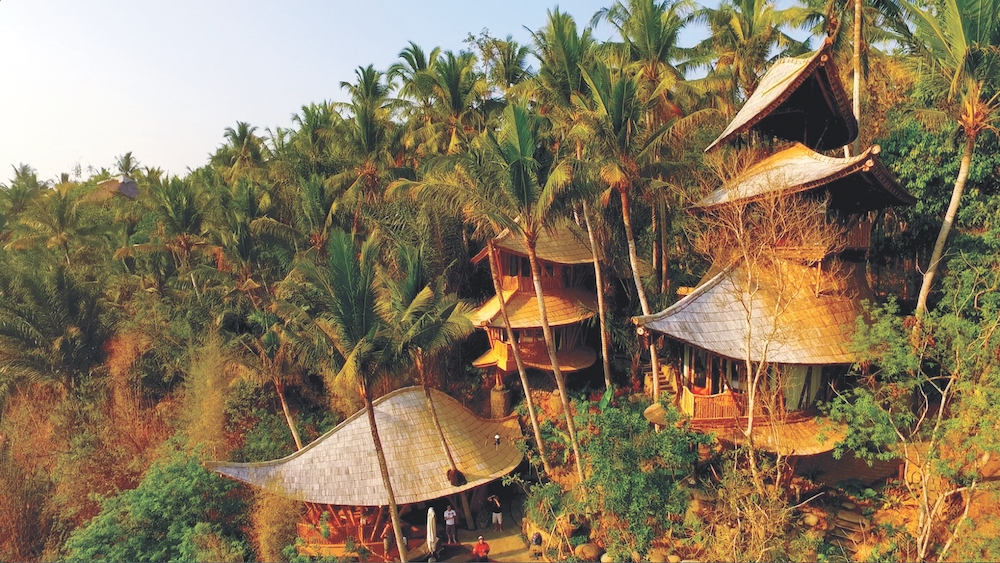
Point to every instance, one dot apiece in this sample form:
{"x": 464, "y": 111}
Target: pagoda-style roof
{"x": 793, "y": 324}
{"x": 798, "y": 99}
{"x": 340, "y": 467}
{"x": 856, "y": 183}
{"x": 537, "y": 357}
{"x": 564, "y": 244}
{"x": 563, "y": 306}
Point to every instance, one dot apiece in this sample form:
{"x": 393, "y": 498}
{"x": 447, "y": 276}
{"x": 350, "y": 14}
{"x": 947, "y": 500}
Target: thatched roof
{"x": 792, "y": 324}
{"x": 340, "y": 467}
{"x": 854, "y": 184}
{"x": 570, "y": 360}
{"x": 798, "y": 99}
{"x": 563, "y": 306}
{"x": 565, "y": 244}
{"x": 120, "y": 184}
{"x": 797, "y": 435}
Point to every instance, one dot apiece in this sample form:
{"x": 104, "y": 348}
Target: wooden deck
{"x": 723, "y": 414}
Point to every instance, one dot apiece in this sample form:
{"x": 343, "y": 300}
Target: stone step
{"x": 852, "y": 526}
{"x": 851, "y": 516}
{"x": 845, "y": 535}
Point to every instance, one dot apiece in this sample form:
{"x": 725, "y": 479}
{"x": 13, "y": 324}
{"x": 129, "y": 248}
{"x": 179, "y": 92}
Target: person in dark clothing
{"x": 497, "y": 513}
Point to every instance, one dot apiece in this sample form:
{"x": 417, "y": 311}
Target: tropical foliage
{"x": 239, "y": 310}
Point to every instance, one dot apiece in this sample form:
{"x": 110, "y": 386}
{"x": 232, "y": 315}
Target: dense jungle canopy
{"x": 218, "y": 314}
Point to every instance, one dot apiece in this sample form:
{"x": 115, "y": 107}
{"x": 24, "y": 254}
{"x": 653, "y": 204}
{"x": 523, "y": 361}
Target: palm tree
{"x": 271, "y": 346}
{"x": 745, "y": 35}
{"x": 180, "y": 207}
{"x": 618, "y": 145}
{"x": 52, "y": 329}
{"x": 53, "y": 221}
{"x": 416, "y": 75}
{"x": 455, "y": 91}
{"x": 127, "y": 164}
{"x": 509, "y": 183}
{"x": 426, "y": 322}
{"x": 650, "y": 30}
{"x": 340, "y": 299}
{"x": 24, "y": 188}
{"x": 312, "y": 143}
{"x": 242, "y": 155}
{"x": 368, "y": 139}
{"x": 961, "y": 39}
{"x": 563, "y": 53}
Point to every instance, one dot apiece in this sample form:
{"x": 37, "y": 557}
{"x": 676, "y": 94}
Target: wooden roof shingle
{"x": 798, "y": 99}
{"x": 856, "y": 183}
{"x": 564, "y": 244}
{"x": 340, "y": 467}
{"x": 563, "y": 306}
{"x": 790, "y": 325}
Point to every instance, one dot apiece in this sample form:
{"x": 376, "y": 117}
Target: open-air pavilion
{"x": 338, "y": 474}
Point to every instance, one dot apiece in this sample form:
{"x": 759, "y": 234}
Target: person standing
{"x": 481, "y": 550}
{"x": 497, "y": 513}
{"x": 450, "y": 532}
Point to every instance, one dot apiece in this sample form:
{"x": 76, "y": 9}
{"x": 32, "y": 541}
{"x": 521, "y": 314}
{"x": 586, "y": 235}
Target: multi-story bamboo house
{"x": 789, "y": 324}
{"x": 567, "y": 268}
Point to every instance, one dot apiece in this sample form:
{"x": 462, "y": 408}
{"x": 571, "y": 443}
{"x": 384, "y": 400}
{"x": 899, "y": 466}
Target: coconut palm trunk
{"x": 384, "y": 469}
{"x": 280, "y": 389}
{"x": 419, "y": 359}
{"x": 601, "y": 307}
{"x": 949, "y": 221}
{"x": 856, "y": 103}
{"x": 633, "y": 257}
{"x": 495, "y": 270}
{"x": 550, "y": 346}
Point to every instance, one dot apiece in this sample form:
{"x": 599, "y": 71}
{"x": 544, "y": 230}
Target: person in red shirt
{"x": 481, "y": 550}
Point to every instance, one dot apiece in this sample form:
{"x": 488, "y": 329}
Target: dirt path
{"x": 504, "y": 546}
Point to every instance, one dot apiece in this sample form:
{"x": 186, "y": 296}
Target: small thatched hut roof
{"x": 340, "y": 467}
{"x": 120, "y": 184}
{"x": 856, "y": 183}
{"x": 564, "y": 244}
{"x": 537, "y": 357}
{"x": 790, "y": 324}
{"x": 798, "y": 99}
{"x": 563, "y": 306}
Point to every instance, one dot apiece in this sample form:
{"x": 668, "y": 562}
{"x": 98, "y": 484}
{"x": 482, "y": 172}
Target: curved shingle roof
{"x": 798, "y": 99}
{"x": 340, "y": 467}
{"x": 793, "y": 324}
{"x": 856, "y": 183}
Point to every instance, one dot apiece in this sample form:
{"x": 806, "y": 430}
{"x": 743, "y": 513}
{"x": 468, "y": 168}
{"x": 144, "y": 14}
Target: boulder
{"x": 587, "y": 552}
{"x": 606, "y": 558}
{"x": 674, "y": 558}
{"x": 810, "y": 520}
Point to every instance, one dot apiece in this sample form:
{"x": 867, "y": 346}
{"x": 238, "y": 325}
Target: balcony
{"x": 725, "y": 405}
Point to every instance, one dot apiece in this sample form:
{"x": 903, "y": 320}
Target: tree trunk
{"x": 384, "y": 469}
{"x": 495, "y": 271}
{"x": 601, "y": 307}
{"x": 633, "y": 257}
{"x": 655, "y": 254}
{"x": 288, "y": 415}
{"x": 550, "y": 346}
{"x": 856, "y": 104}
{"x": 437, "y": 426}
{"x": 665, "y": 249}
{"x": 949, "y": 220}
